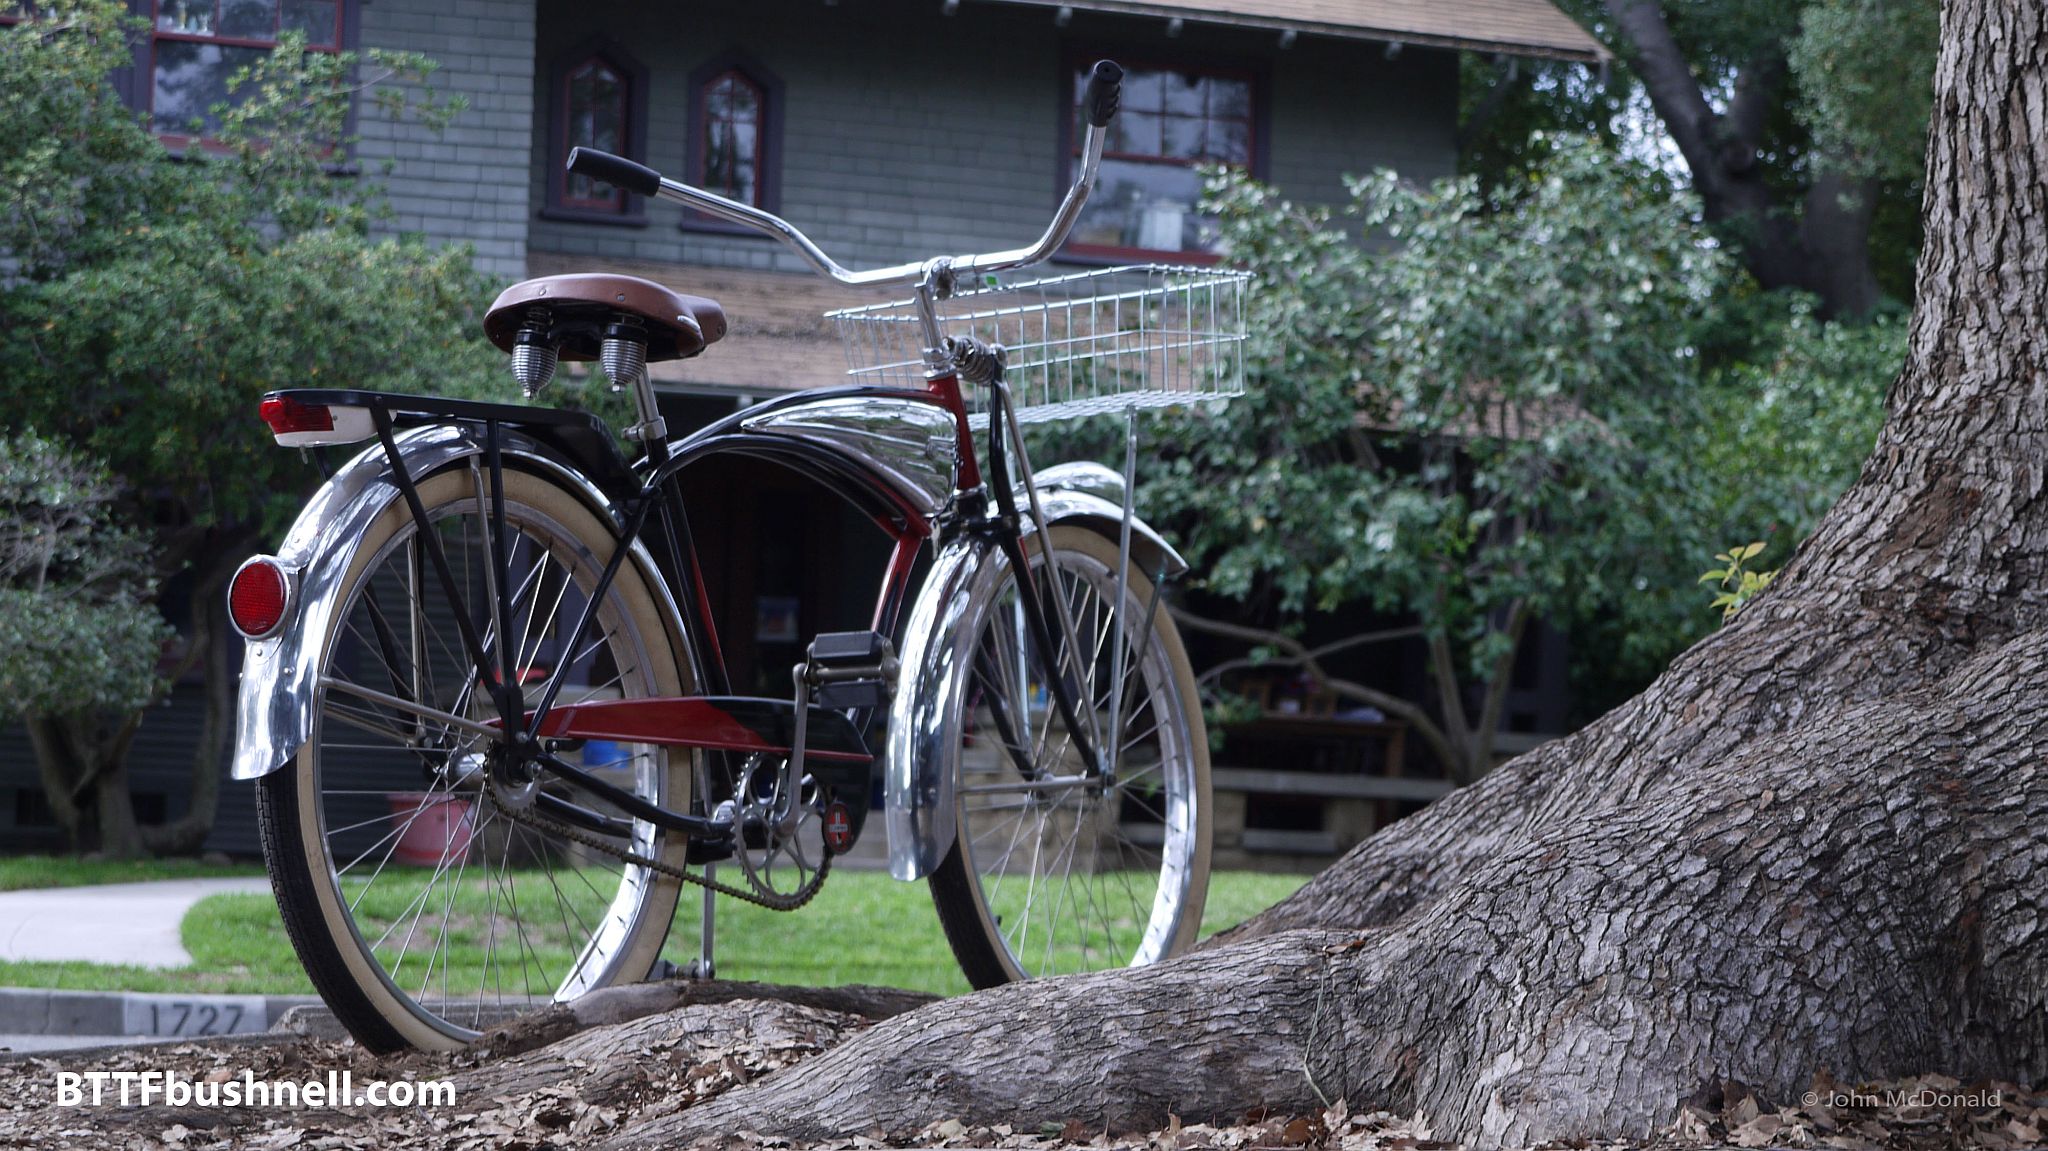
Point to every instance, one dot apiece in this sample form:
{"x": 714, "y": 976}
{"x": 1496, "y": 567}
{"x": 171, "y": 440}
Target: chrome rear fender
{"x": 280, "y": 674}
{"x": 922, "y": 753}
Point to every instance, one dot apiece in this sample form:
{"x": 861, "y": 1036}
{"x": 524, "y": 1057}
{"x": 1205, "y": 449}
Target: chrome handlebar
{"x": 1099, "y": 107}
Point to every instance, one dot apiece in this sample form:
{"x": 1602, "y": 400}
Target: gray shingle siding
{"x": 907, "y": 133}
{"x": 469, "y": 184}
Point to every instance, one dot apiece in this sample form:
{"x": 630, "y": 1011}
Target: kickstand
{"x": 702, "y": 967}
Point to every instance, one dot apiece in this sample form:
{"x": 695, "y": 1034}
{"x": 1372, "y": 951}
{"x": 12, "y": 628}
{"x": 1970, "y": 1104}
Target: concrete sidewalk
{"x": 115, "y": 923}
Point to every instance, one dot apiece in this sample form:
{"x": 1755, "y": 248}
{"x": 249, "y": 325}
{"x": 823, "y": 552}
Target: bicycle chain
{"x": 566, "y": 831}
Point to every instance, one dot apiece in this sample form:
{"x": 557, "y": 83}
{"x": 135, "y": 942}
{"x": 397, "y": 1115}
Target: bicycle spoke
{"x": 469, "y": 900}
{"x": 1067, "y": 867}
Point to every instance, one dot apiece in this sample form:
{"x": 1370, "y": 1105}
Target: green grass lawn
{"x": 23, "y": 872}
{"x": 863, "y": 928}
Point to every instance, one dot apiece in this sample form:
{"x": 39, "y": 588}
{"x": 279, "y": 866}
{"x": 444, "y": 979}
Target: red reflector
{"x": 285, "y": 415}
{"x": 256, "y": 598}
{"x": 838, "y": 827}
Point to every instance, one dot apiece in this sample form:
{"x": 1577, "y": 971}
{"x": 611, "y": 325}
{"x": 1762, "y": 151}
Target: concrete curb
{"x": 47, "y": 1011}
{"x": 35, "y": 1022}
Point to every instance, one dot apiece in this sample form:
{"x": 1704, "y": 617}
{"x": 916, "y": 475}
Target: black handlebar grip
{"x": 1105, "y": 89}
{"x": 617, "y": 171}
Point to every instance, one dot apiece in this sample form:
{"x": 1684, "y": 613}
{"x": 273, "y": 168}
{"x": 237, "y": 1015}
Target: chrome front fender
{"x": 922, "y": 754}
{"x": 274, "y": 714}
{"x": 919, "y": 758}
{"x": 1091, "y": 495}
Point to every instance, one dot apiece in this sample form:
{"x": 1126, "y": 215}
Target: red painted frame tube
{"x": 691, "y": 721}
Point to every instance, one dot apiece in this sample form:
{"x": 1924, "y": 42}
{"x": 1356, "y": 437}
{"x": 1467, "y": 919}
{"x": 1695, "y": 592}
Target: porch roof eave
{"x": 1532, "y": 28}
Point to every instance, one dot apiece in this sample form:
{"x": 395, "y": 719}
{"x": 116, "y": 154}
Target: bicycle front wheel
{"x": 1055, "y": 866}
{"x": 428, "y": 895}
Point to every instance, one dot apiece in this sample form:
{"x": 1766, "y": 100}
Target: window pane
{"x": 1183, "y": 137}
{"x": 180, "y": 16}
{"x": 745, "y": 164}
{"x": 1148, "y": 206}
{"x": 597, "y": 119}
{"x": 1172, "y": 120}
{"x": 718, "y": 156}
{"x": 595, "y": 109}
{"x": 191, "y": 78}
{"x": 1136, "y": 132}
{"x": 316, "y": 19}
{"x": 746, "y": 105}
{"x": 729, "y": 159}
{"x": 248, "y": 19}
{"x": 1230, "y": 98}
{"x": 1144, "y": 91}
{"x": 1185, "y": 95}
{"x": 731, "y": 126}
{"x": 1230, "y": 142}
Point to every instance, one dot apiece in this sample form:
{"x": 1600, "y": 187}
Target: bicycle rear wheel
{"x": 421, "y": 898}
{"x": 1053, "y": 870}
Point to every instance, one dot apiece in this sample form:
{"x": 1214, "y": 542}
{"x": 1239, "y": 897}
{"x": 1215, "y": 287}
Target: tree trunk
{"x": 80, "y": 757}
{"x": 216, "y": 643}
{"x": 60, "y": 775}
{"x": 1817, "y": 242}
{"x": 1816, "y": 843}
{"x": 120, "y": 836}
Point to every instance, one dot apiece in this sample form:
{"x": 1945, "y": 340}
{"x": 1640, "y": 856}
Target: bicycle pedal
{"x": 849, "y": 669}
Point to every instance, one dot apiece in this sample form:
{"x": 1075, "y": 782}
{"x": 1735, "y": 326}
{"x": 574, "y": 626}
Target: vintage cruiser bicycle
{"x": 485, "y": 705}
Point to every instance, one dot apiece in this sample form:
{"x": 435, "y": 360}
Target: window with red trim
{"x": 1173, "y": 119}
{"x": 732, "y": 134}
{"x": 196, "y": 45}
{"x": 597, "y": 99}
{"x": 596, "y": 96}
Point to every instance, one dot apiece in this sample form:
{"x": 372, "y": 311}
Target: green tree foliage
{"x": 1865, "y": 73}
{"x": 79, "y": 637}
{"x": 157, "y": 296}
{"x": 77, "y": 629}
{"x": 150, "y": 299}
{"x": 1801, "y": 125}
{"x": 1475, "y": 413}
{"x": 1788, "y": 407}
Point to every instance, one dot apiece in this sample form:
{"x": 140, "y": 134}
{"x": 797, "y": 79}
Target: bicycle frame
{"x": 891, "y": 451}
{"x": 905, "y": 456}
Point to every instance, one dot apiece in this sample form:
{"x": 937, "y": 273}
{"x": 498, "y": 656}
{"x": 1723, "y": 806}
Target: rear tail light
{"x": 297, "y": 423}
{"x": 259, "y": 597}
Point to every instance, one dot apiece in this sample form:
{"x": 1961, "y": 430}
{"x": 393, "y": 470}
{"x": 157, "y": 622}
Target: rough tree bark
{"x": 1817, "y": 842}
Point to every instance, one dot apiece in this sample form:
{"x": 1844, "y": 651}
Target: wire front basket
{"x": 1145, "y": 336}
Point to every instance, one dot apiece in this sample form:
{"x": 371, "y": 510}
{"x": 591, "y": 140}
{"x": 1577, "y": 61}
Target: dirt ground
{"x": 596, "y": 1087}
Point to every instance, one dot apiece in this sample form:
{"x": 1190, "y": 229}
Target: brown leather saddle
{"x": 581, "y": 306}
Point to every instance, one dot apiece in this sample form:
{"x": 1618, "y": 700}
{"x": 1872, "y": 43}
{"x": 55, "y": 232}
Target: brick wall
{"x": 470, "y": 183}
